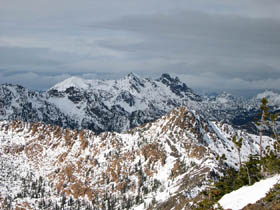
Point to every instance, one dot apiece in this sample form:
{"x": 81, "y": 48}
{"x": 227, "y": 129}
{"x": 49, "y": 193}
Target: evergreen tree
{"x": 262, "y": 122}
{"x": 238, "y": 145}
{"x": 273, "y": 118}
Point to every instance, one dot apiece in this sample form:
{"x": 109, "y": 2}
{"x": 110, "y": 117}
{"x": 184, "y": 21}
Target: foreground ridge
{"x": 158, "y": 165}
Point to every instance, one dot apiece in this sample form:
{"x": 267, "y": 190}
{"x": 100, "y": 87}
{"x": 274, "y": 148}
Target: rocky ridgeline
{"x": 159, "y": 165}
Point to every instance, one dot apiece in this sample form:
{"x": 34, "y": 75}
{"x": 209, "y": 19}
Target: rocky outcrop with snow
{"x": 161, "y": 164}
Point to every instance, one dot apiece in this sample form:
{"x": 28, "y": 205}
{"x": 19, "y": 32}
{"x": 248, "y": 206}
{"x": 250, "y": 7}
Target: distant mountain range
{"x": 118, "y": 105}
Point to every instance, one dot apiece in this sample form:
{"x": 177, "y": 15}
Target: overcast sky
{"x": 210, "y": 44}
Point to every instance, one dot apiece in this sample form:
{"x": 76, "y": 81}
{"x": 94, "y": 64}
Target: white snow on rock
{"x": 248, "y": 194}
{"x": 72, "y": 82}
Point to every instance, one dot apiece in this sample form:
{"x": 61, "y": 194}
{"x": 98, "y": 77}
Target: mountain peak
{"x": 132, "y": 75}
{"x": 166, "y": 78}
{"x": 178, "y": 87}
{"x": 73, "y": 81}
{"x": 135, "y": 81}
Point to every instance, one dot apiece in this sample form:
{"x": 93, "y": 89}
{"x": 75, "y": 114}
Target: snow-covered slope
{"x": 162, "y": 163}
{"x": 75, "y": 82}
{"x": 119, "y": 104}
{"x": 18, "y": 103}
{"x": 240, "y": 198}
{"x": 131, "y": 93}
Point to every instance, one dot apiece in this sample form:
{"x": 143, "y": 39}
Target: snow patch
{"x": 248, "y": 194}
{"x": 76, "y": 82}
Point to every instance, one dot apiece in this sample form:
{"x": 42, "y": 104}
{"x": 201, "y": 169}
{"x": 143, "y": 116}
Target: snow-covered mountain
{"x": 110, "y": 105}
{"x": 237, "y": 111}
{"x": 161, "y": 165}
{"x": 18, "y": 103}
{"x": 118, "y": 105}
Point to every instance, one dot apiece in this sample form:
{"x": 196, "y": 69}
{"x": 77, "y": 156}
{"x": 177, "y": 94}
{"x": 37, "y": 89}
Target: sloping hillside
{"x": 165, "y": 163}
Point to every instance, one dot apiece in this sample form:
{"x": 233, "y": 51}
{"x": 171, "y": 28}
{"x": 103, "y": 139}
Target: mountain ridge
{"x": 153, "y": 165}
{"x": 90, "y": 104}
{"x": 118, "y": 105}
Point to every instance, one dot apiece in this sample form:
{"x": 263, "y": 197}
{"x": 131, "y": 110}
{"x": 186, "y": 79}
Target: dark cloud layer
{"x": 211, "y": 45}
{"x": 21, "y": 58}
{"x": 200, "y": 35}
{"x": 203, "y": 45}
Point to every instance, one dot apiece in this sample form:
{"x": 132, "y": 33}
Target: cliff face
{"x": 158, "y": 164}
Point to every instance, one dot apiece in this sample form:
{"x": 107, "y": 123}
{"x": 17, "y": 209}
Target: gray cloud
{"x": 246, "y": 71}
{"x": 199, "y": 44}
{"x": 18, "y": 58}
{"x": 199, "y": 34}
{"x": 32, "y": 80}
{"x": 211, "y": 44}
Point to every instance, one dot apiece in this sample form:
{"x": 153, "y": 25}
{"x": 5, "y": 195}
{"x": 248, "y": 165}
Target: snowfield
{"x": 248, "y": 194}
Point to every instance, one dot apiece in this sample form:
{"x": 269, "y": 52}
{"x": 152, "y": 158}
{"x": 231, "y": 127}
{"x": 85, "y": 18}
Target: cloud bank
{"x": 211, "y": 45}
